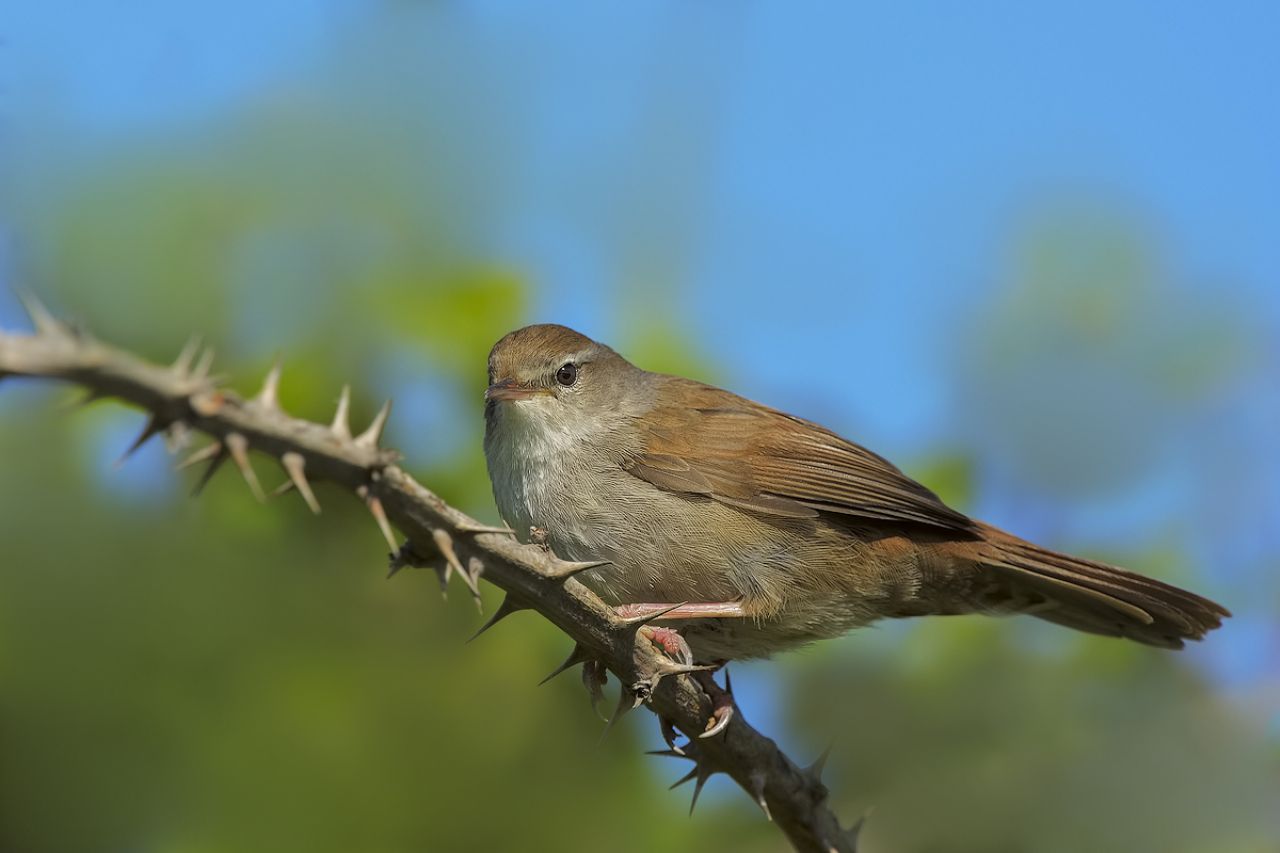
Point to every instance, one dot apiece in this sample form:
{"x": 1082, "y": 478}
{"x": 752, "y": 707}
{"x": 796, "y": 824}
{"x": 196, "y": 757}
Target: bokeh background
{"x": 1030, "y": 253}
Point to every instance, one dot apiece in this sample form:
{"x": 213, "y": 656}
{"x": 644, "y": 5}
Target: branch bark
{"x": 183, "y": 397}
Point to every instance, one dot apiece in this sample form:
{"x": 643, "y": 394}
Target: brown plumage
{"x": 697, "y": 494}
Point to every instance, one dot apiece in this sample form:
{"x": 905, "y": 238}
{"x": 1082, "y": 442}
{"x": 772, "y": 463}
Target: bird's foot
{"x": 674, "y": 647}
{"x": 670, "y": 641}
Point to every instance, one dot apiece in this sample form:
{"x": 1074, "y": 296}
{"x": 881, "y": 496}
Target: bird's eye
{"x": 567, "y": 374}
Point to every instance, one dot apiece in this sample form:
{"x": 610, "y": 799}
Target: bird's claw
{"x": 722, "y": 704}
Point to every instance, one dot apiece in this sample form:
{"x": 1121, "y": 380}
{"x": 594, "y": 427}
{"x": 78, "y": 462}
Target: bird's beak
{"x": 509, "y": 389}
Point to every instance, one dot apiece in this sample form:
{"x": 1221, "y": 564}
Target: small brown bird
{"x": 769, "y": 530}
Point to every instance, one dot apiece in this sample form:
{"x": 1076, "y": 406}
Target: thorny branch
{"x": 184, "y": 397}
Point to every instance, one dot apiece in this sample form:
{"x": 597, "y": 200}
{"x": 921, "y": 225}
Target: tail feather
{"x": 1095, "y": 597}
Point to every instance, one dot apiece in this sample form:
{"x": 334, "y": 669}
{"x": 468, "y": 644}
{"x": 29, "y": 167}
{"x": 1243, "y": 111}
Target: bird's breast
{"x": 542, "y": 477}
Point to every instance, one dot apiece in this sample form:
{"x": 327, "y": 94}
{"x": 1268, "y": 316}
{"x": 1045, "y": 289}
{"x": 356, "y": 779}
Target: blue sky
{"x": 825, "y": 192}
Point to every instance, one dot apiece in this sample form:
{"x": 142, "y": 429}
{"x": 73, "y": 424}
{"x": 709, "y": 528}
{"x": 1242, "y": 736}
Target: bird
{"x": 755, "y": 531}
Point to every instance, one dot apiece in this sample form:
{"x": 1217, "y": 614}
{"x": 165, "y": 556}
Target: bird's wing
{"x": 705, "y": 441}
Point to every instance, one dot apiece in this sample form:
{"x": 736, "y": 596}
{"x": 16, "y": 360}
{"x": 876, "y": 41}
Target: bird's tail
{"x": 1090, "y": 596}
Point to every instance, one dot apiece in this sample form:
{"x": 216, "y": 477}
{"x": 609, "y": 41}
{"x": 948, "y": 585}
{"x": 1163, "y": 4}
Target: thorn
{"x": 341, "y": 426}
{"x": 443, "y": 573}
{"x": 369, "y": 438}
{"x": 404, "y": 557}
{"x": 594, "y": 678}
{"x": 691, "y": 775}
{"x": 475, "y": 568}
{"x": 282, "y": 489}
{"x": 757, "y": 793}
{"x": 201, "y": 371}
{"x": 652, "y": 617}
{"x": 566, "y": 569}
{"x": 577, "y": 656}
{"x": 89, "y": 397}
{"x": 214, "y": 464}
{"x": 269, "y": 396}
{"x": 76, "y": 326}
{"x": 379, "y": 515}
{"x": 670, "y": 735}
{"x": 669, "y": 753}
{"x": 153, "y": 426}
{"x": 702, "y": 775}
{"x": 444, "y": 544}
{"x": 508, "y": 606}
{"x": 851, "y": 835}
{"x": 295, "y": 465}
{"x": 239, "y": 447}
{"x": 43, "y": 321}
{"x": 814, "y": 770}
{"x": 468, "y": 527}
{"x": 624, "y": 705}
{"x": 182, "y": 365}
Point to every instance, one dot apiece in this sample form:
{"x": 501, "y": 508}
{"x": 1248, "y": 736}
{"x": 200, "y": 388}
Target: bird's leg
{"x": 668, "y": 638}
{"x": 688, "y": 610}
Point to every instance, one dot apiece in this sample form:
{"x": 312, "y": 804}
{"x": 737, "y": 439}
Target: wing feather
{"x": 706, "y": 441}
